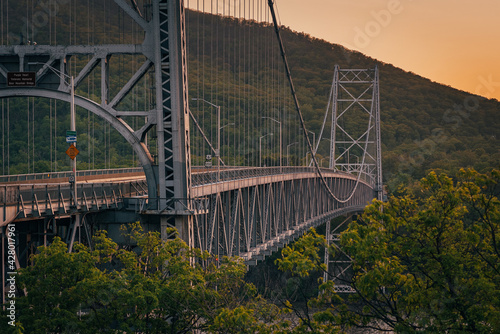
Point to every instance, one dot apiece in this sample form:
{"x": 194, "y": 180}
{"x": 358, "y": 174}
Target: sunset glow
{"x": 453, "y": 42}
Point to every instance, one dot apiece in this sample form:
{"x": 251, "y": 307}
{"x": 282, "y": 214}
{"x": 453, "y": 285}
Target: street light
{"x": 64, "y": 76}
{"x": 288, "y": 153}
{"x": 217, "y": 152}
{"x": 272, "y": 119}
{"x": 222, "y": 127}
{"x": 260, "y": 148}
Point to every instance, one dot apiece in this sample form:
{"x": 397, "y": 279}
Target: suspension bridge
{"x": 202, "y": 95}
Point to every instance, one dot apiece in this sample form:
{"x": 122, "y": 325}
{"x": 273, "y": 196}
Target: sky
{"x": 453, "y": 42}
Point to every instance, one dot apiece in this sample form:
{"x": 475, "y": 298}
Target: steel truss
{"x": 355, "y": 142}
{"x": 338, "y": 264}
{"x": 254, "y": 221}
{"x": 163, "y": 49}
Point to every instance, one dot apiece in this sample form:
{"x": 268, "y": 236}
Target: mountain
{"x": 425, "y": 125}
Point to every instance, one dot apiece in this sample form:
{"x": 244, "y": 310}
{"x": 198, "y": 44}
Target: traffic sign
{"x": 70, "y": 136}
{"x": 72, "y": 152}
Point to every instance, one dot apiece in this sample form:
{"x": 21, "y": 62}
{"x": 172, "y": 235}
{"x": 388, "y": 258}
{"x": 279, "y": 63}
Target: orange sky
{"x": 454, "y": 42}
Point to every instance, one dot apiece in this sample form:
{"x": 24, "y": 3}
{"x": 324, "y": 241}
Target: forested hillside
{"x": 425, "y": 125}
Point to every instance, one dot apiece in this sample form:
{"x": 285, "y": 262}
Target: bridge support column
{"x": 183, "y": 224}
{"x": 75, "y": 224}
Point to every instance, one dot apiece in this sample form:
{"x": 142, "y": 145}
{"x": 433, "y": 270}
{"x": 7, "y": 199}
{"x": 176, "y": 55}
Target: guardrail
{"x": 238, "y": 173}
{"x": 48, "y": 199}
{"x": 79, "y": 173}
{"x": 65, "y": 174}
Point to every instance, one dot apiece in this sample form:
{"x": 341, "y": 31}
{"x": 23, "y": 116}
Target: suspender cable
{"x": 3, "y": 130}
{"x": 297, "y": 107}
{"x": 33, "y": 134}
{"x": 28, "y": 133}
{"x": 8, "y": 136}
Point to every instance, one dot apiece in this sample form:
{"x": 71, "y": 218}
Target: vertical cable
{"x": 55, "y": 136}
{"x": 238, "y": 66}
{"x": 3, "y": 129}
{"x": 33, "y": 134}
{"x": 8, "y": 136}
{"x": 28, "y": 133}
{"x": 1, "y": 22}
{"x": 88, "y": 86}
{"x": 51, "y": 138}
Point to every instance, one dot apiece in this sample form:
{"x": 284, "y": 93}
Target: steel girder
{"x": 254, "y": 221}
{"x": 163, "y": 49}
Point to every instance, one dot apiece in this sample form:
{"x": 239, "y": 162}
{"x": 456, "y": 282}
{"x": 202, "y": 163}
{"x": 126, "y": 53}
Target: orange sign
{"x": 72, "y": 152}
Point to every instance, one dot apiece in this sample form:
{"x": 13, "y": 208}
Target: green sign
{"x": 70, "y": 136}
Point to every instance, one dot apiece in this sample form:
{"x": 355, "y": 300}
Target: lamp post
{"x": 288, "y": 152}
{"x": 272, "y": 119}
{"x": 260, "y": 148}
{"x": 217, "y": 152}
{"x": 72, "y": 125}
{"x": 222, "y": 127}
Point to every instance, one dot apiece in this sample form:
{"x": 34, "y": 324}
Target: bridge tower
{"x": 355, "y": 147}
{"x": 164, "y": 52}
{"x": 355, "y": 142}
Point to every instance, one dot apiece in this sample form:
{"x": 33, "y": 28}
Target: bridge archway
{"x": 103, "y": 112}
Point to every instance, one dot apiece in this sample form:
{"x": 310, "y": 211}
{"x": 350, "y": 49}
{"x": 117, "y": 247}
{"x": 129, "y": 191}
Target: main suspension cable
{"x": 297, "y": 107}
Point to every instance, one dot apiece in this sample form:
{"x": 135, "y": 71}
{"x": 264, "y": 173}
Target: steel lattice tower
{"x": 355, "y": 108}
{"x": 355, "y": 143}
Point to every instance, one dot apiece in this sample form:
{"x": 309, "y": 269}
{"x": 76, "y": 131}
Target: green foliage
{"x": 155, "y": 287}
{"x": 303, "y": 256}
{"x": 317, "y": 311}
{"x": 428, "y": 260}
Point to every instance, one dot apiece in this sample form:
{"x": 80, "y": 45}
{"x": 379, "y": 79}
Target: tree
{"x": 152, "y": 287}
{"x": 429, "y": 260}
{"x": 318, "y": 308}
{"x": 425, "y": 261}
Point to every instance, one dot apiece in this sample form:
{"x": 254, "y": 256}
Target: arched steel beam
{"x": 106, "y": 113}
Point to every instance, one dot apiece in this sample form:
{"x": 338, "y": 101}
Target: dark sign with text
{"x": 21, "y": 79}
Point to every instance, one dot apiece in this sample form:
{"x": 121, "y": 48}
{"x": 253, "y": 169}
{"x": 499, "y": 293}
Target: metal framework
{"x": 226, "y": 213}
{"x": 242, "y": 218}
{"x": 254, "y": 217}
{"x": 339, "y": 264}
{"x": 164, "y": 49}
{"x": 355, "y": 119}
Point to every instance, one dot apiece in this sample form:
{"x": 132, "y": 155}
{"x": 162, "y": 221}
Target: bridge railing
{"x": 66, "y": 174}
{"x": 237, "y": 173}
{"x": 35, "y": 199}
